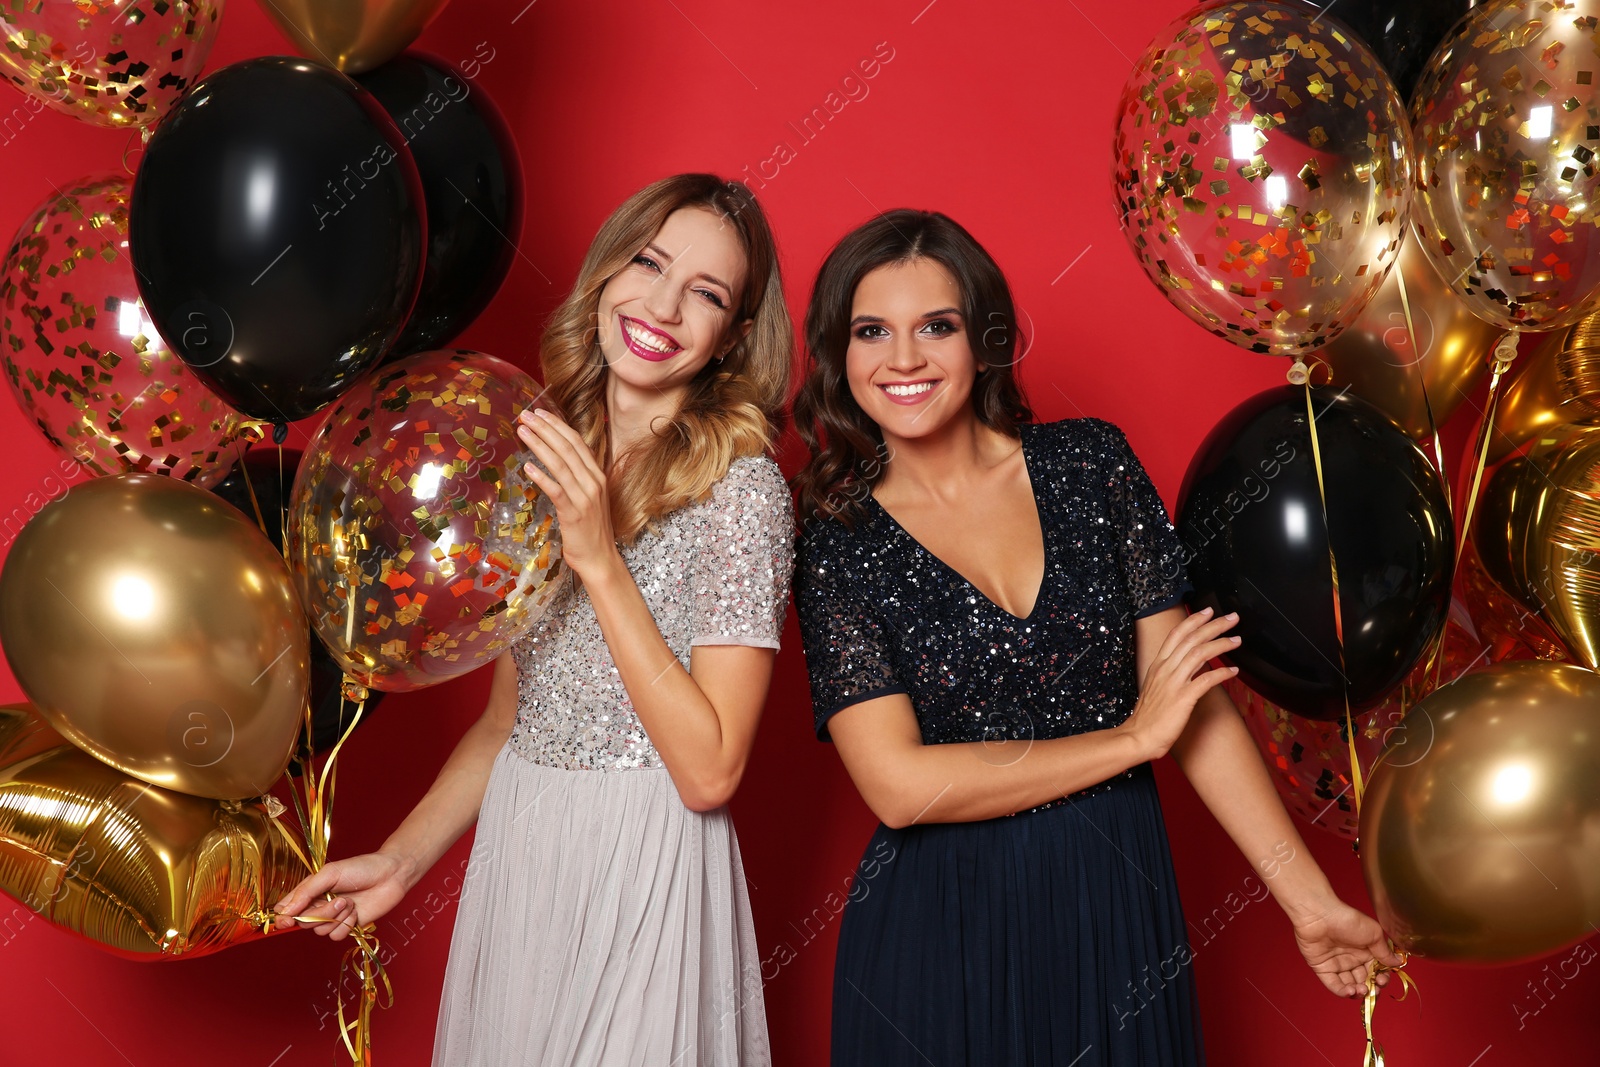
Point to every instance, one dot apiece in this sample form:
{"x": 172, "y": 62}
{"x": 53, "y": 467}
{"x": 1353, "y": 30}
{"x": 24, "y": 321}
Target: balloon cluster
{"x": 1418, "y": 665}
{"x": 289, "y": 229}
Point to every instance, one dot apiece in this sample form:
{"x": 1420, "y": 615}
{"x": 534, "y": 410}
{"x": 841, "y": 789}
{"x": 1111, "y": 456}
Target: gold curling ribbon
{"x": 316, "y": 827}
{"x": 1374, "y": 1053}
{"x": 1300, "y": 372}
{"x": 1422, "y": 386}
{"x": 1369, "y": 1005}
{"x": 1504, "y": 353}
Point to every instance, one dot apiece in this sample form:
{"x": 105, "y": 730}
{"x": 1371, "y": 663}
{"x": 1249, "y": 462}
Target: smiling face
{"x": 910, "y": 362}
{"x": 671, "y": 310}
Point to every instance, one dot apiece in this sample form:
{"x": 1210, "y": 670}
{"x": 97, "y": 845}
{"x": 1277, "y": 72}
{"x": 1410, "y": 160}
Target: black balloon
{"x": 1251, "y": 520}
{"x": 330, "y": 713}
{"x": 472, "y": 182}
{"x": 1401, "y": 34}
{"x": 277, "y": 234}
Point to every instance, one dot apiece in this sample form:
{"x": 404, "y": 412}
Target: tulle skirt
{"x": 1046, "y": 938}
{"x": 601, "y": 923}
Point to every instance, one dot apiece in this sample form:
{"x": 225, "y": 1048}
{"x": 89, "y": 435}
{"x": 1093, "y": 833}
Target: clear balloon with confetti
{"x": 1262, "y": 168}
{"x": 83, "y": 358}
{"x": 421, "y": 548}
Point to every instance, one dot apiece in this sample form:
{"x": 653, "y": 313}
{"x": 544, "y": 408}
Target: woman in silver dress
{"x": 605, "y": 917}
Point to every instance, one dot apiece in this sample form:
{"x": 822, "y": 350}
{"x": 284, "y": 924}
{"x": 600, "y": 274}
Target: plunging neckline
{"x": 1044, "y": 541}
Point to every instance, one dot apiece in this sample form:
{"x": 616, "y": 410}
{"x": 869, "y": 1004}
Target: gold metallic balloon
{"x": 83, "y": 358}
{"x": 352, "y": 35}
{"x": 421, "y": 548}
{"x": 1508, "y": 183}
{"x": 107, "y": 62}
{"x": 1375, "y": 358}
{"x": 145, "y": 872}
{"x": 157, "y": 628}
{"x": 1559, "y": 384}
{"x": 1480, "y": 834}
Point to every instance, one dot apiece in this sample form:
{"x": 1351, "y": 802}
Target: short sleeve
{"x": 847, "y": 654}
{"x": 746, "y": 557}
{"x": 1153, "y": 560}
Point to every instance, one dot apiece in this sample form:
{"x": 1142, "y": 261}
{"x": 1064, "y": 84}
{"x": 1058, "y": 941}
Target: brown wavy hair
{"x": 733, "y": 407}
{"x": 846, "y": 446}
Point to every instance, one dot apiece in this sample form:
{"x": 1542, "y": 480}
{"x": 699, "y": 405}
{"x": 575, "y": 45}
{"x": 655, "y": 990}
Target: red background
{"x": 998, "y": 114}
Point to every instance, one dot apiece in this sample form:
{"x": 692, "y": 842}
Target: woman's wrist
{"x": 606, "y": 573}
{"x": 406, "y": 866}
{"x": 1307, "y": 899}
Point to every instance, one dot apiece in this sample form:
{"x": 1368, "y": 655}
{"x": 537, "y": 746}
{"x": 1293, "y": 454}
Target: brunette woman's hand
{"x": 1173, "y": 683}
{"x": 1337, "y": 943}
{"x": 365, "y": 889}
{"x": 576, "y": 486}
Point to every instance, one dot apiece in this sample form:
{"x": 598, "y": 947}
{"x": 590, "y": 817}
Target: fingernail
{"x": 1235, "y": 670}
{"x": 541, "y": 412}
{"x": 1236, "y": 639}
{"x": 1232, "y": 615}
{"x": 1205, "y": 611}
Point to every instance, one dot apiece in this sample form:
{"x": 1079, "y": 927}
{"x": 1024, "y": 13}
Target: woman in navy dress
{"x": 993, "y": 624}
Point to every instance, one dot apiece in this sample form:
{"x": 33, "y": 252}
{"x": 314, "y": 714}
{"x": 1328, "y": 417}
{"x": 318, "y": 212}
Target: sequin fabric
{"x": 715, "y": 572}
{"x": 880, "y": 614}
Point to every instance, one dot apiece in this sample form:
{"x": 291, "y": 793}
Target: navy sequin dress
{"x": 1053, "y": 936}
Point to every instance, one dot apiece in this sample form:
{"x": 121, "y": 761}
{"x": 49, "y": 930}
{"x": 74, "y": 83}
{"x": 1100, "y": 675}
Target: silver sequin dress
{"x": 602, "y": 921}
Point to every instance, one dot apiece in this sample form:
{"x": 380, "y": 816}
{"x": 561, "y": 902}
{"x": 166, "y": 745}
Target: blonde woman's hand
{"x": 365, "y": 889}
{"x": 576, "y": 486}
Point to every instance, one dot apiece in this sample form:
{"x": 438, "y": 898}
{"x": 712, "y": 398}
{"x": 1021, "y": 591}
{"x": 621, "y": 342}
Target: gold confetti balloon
{"x": 117, "y": 63}
{"x": 83, "y": 358}
{"x": 158, "y": 629}
{"x": 1262, "y": 170}
{"x": 1478, "y": 833}
{"x": 421, "y": 548}
{"x": 144, "y": 872}
{"x": 1507, "y": 127}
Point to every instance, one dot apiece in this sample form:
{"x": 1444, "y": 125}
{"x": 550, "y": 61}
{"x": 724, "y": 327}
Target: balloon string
{"x": 1369, "y": 1005}
{"x": 1504, "y": 353}
{"x": 1436, "y": 646}
{"x": 250, "y": 490}
{"x": 316, "y": 821}
{"x": 1422, "y": 385}
{"x": 283, "y": 515}
{"x": 1356, "y": 785}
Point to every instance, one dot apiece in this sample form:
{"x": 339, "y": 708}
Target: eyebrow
{"x": 712, "y": 278}
{"x": 925, "y": 315}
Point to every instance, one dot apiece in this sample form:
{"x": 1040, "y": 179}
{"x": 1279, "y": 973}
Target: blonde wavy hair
{"x": 732, "y": 408}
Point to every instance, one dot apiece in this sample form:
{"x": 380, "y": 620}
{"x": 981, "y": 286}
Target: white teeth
{"x": 908, "y": 390}
{"x": 648, "y": 340}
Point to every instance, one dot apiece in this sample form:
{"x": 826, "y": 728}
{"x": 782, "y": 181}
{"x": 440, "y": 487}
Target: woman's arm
{"x": 370, "y": 885}
{"x": 703, "y": 720}
{"x": 1222, "y": 763}
{"x": 905, "y": 781}
{"x": 702, "y": 723}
